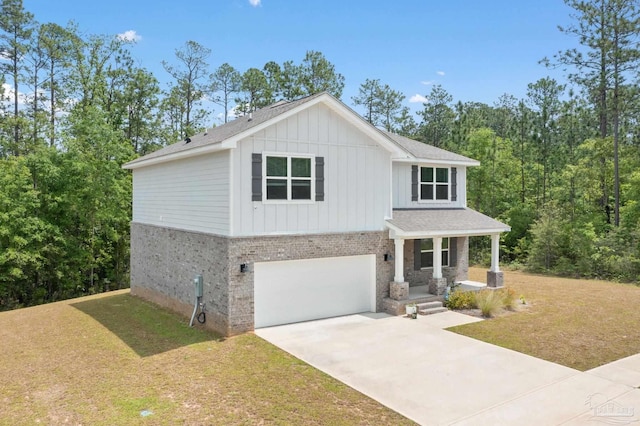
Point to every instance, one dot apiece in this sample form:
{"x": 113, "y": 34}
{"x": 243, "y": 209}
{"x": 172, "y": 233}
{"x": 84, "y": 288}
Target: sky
{"x": 476, "y": 50}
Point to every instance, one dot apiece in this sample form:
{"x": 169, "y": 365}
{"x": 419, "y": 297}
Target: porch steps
{"x": 397, "y": 307}
{"x": 429, "y": 308}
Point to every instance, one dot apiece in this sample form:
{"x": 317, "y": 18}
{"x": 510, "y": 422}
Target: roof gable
{"x": 227, "y": 135}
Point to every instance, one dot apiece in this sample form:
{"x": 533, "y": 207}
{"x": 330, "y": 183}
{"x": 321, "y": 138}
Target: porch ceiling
{"x": 428, "y": 223}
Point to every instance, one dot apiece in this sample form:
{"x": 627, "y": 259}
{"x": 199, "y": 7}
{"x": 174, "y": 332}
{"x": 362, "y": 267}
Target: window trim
{"x": 447, "y": 250}
{"x": 434, "y": 184}
{"x": 289, "y": 178}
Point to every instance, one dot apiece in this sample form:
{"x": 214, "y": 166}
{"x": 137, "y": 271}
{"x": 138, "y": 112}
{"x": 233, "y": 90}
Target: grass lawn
{"x": 114, "y": 359}
{"x": 578, "y": 323}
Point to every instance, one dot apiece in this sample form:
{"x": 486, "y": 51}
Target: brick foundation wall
{"x": 292, "y": 247}
{"x": 164, "y": 261}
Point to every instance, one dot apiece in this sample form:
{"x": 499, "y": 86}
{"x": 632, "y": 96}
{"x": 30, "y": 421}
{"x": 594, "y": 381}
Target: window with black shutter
{"x": 287, "y": 178}
{"x": 423, "y": 253}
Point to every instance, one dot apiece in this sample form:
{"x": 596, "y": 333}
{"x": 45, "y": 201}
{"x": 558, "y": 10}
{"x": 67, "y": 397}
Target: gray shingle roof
{"x": 217, "y": 135}
{"x": 424, "y": 151}
{"x": 442, "y": 222}
{"x": 221, "y": 133}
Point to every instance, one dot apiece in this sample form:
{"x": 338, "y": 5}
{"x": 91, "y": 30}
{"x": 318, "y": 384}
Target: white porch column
{"x": 437, "y": 257}
{"x": 495, "y": 252}
{"x": 399, "y": 260}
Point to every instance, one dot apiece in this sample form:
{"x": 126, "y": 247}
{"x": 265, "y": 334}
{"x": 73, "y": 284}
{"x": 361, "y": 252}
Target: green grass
{"x": 103, "y": 360}
{"x": 578, "y": 323}
{"x": 145, "y": 329}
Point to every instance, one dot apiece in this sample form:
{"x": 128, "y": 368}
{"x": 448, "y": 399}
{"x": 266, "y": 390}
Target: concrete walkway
{"x": 436, "y": 377}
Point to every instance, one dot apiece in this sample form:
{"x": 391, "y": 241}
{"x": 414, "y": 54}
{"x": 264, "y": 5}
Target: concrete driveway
{"x": 436, "y": 377}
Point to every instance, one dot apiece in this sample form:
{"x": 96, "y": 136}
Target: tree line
{"x": 73, "y": 108}
{"x": 560, "y": 165}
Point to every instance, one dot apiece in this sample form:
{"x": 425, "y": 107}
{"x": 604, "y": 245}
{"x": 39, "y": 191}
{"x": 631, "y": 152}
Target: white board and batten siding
{"x": 402, "y": 188}
{"x": 356, "y": 178}
{"x": 190, "y": 194}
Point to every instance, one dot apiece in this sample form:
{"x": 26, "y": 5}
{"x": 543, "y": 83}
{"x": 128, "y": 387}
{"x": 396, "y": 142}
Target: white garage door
{"x": 301, "y": 290}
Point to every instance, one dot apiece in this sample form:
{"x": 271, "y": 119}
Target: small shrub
{"x": 508, "y": 297}
{"x": 461, "y": 300}
{"x": 488, "y": 301}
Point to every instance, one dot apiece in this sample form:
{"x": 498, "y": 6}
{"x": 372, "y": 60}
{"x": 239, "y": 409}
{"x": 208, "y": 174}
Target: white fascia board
{"x": 229, "y": 143}
{"x": 364, "y": 126}
{"x": 232, "y": 142}
{"x": 395, "y": 232}
{"x": 206, "y": 149}
{"x": 414, "y": 160}
{"x": 335, "y": 105}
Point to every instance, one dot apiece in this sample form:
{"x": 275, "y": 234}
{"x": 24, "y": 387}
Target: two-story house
{"x": 298, "y": 211}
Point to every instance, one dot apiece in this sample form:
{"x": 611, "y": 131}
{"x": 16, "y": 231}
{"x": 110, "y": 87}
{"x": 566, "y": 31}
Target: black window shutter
{"x": 256, "y": 177}
{"x": 454, "y": 184}
{"x": 319, "y": 178}
{"x": 453, "y": 251}
{"x": 417, "y": 255}
{"x": 414, "y": 183}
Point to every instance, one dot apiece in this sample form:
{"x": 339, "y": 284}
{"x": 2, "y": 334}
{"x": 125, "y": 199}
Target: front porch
{"x": 431, "y": 254}
{"x": 420, "y": 295}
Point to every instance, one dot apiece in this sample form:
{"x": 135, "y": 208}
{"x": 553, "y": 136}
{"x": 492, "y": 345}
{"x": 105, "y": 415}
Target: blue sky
{"x": 476, "y": 50}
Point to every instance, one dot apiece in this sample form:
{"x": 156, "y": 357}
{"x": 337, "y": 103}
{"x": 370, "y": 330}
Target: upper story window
{"x": 288, "y": 178}
{"x": 434, "y": 183}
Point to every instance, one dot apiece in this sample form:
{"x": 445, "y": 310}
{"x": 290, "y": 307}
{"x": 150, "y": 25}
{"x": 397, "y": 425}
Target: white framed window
{"x": 435, "y": 184}
{"x": 288, "y": 177}
{"x": 426, "y": 252}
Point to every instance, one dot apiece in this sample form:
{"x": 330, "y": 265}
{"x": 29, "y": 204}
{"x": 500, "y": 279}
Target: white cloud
{"x": 9, "y": 92}
{"x": 418, "y": 99}
{"x": 440, "y": 72}
{"x": 8, "y": 96}
{"x": 255, "y": 3}
{"x": 233, "y": 112}
{"x": 6, "y": 91}
{"x": 427, "y": 82}
{"x": 130, "y": 35}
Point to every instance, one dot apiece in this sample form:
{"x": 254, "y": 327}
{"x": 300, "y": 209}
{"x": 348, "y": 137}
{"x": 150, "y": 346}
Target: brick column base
{"x": 495, "y": 279}
{"x": 437, "y": 286}
{"x": 399, "y": 291}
